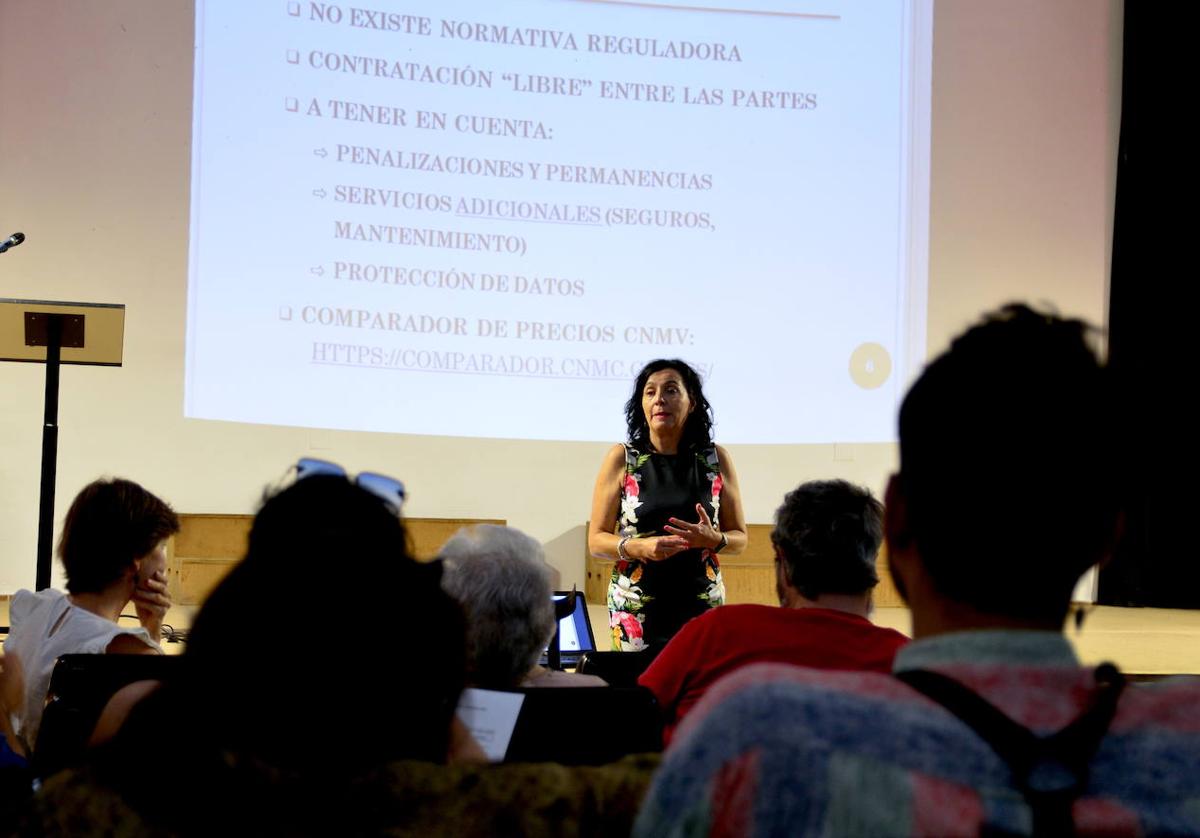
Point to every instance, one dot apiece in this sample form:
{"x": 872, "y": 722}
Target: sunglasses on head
{"x": 388, "y": 489}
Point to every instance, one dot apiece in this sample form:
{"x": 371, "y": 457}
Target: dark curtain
{"x": 1153, "y": 328}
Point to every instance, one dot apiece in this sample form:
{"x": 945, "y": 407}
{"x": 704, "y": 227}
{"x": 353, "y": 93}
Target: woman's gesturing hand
{"x": 656, "y": 548}
{"x": 700, "y": 534}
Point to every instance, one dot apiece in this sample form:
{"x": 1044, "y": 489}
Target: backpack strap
{"x": 1049, "y": 771}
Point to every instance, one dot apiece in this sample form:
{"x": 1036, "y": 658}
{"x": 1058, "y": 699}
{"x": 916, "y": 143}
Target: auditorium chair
{"x": 621, "y": 669}
{"x": 80, "y": 687}
{"x": 575, "y": 725}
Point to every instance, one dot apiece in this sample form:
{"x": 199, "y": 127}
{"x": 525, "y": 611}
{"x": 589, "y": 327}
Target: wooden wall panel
{"x": 208, "y": 546}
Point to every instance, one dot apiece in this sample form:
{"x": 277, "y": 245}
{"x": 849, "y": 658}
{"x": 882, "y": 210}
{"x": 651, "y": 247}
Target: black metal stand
{"x": 54, "y": 331}
{"x": 92, "y": 334}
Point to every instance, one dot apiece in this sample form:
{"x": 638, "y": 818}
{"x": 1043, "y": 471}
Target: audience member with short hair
{"x": 826, "y": 538}
{"x": 113, "y": 549}
{"x": 500, "y": 577}
{"x": 1010, "y": 464}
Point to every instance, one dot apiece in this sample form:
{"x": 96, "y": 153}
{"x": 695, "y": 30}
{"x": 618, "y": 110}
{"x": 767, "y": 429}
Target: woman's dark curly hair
{"x": 697, "y": 431}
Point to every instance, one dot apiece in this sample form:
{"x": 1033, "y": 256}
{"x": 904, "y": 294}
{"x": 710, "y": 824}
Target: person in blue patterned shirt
{"x": 1010, "y": 470}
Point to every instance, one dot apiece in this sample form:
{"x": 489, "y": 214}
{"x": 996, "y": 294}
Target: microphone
{"x": 12, "y": 241}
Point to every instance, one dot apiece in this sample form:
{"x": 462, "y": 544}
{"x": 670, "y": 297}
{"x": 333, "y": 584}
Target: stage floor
{"x": 178, "y": 617}
{"x": 1140, "y": 641}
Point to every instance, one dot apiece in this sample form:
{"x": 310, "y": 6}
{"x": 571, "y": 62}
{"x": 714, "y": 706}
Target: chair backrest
{"x": 571, "y": 725}
{"x": 621, "y": 669}
{"x": 80, "y": 686}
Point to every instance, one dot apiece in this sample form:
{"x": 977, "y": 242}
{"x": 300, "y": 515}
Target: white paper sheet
{"x": 490, "y": 715}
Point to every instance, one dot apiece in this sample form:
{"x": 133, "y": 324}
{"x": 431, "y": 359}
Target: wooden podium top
{"x": 100, "y": 327}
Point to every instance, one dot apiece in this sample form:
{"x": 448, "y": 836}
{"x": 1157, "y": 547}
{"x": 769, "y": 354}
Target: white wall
{"x": 94, "y": 160}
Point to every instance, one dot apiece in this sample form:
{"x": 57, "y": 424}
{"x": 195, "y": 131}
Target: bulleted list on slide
{"x": 487, "y": 208}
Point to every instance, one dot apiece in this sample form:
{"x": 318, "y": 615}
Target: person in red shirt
{"x": 827, "y": 534}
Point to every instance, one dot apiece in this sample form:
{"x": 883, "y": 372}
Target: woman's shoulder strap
{"x": 634, "y": 459}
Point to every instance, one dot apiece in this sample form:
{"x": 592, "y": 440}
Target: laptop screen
{"x": 575, "y": 630}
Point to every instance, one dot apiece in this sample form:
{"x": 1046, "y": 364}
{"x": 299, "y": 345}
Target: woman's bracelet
{"x": 724, "y": 543}
{"x": 621, "y": 554}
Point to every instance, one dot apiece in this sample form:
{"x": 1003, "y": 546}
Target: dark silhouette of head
{"x": 327, "y": 647}
{"x": 1009, "y": 465}
{"x": 697, "y": 431}
{"x": 110, "y": 525}
{"x": 826, "y": 537}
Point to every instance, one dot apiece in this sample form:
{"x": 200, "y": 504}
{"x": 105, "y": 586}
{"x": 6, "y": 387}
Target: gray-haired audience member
{"x": 500, "y": 578}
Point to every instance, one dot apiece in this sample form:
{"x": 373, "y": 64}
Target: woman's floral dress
{"x": 648, "y": 602}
